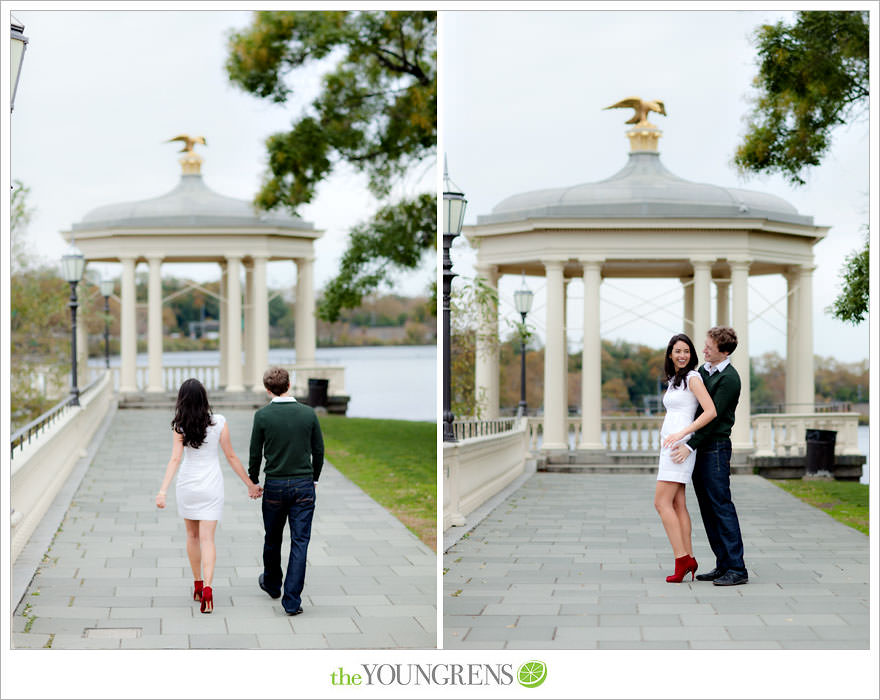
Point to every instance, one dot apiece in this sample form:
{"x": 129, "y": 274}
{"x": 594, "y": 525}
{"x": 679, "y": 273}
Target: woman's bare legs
{"x": 193, "y": 550}
{"x": 684, "y": 519}
{"x": 209, "y": 553}
{"x": 664, "y": 496}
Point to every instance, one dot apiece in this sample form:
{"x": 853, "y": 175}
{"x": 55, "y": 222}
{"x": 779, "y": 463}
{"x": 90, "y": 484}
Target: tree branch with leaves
{"x": 377, "y": 112}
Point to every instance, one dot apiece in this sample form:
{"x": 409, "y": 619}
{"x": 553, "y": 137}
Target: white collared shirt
{"x": 711, "y": 369}
{"x": 282, "y": 399}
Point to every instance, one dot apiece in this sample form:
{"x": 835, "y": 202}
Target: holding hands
{"x": 255, "y": 490}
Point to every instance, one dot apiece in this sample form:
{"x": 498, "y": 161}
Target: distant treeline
{"x": 633, "y": 378}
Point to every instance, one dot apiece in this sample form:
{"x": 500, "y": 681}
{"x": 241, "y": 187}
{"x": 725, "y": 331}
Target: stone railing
{"x": 209, "y": 375}
{"x": 773, "y": 434}
{"x": 43, "y": 456}
{"x": 471, "y": 428}
{"x": 619, "y": 433}
{"x": 477, "y": 468}
{"x": 784, "y": 434}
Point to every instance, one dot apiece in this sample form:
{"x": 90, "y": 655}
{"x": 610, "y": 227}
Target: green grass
{"x": 845, "y": 501}
{"x": 394, "y": 461}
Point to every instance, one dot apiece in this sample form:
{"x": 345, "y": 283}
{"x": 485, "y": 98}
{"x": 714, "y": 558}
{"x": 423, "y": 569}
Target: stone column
{"x": 555, "y": 437}
{"x": 563, "y": 357}
{"x": 261, "y": 323}
{"x": 740, "y": 436}
{"x": 591, "y": 362}
{"x": 223, "y": 309}
{"x": 154, "y": 325}
{"x": 701, "y": 300}
{"x": 792, "y": 339}
{"x": 248, "y": 322}
{"x": 486, "y": 366}
{"x": 305, "y": 312}
{"x": 805, "y": 374}
{"x": 687, "y": 323}
{"x": 722, "y": 303}
{"x": 233, "y": 324}
{"x": 128, "y": 329}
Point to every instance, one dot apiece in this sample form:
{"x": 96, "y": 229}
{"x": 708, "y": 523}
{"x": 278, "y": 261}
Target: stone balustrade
{"x": 209, "y": 375}
{"x": 784, "y": 434}
{"x": 40, "y": 467}
{"x": 477, "y": 468}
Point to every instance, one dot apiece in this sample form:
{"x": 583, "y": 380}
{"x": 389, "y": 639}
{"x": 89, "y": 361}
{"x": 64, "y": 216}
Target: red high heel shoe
{"x": 197, "y": 590}
{"x": 207, "y": 600}
{"x": 684, "y": 565}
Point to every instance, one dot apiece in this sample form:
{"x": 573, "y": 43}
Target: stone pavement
{"x": 117, "y": 575}
{"x": 578, "y": 561}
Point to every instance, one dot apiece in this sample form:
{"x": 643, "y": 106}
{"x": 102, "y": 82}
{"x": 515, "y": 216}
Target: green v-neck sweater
{"x": 724, "y": 388}
{"x": 288, "y": 435}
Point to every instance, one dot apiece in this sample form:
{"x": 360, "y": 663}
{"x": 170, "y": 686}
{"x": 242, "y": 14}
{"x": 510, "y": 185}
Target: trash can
{"x": 318, "y": 392}
{"x": 820, "y": 450}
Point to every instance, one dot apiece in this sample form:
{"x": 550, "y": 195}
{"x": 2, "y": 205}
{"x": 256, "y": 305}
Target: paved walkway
{"x": 578, "y": 561}
{"x": 117, "y": 575}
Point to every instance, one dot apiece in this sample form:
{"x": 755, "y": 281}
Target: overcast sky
{"x": 100, "y": 92}
{"x": 522, "y": 109}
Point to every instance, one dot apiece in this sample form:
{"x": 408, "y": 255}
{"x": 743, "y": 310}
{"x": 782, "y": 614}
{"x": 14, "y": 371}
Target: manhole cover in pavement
{"x": 113, "y": 632}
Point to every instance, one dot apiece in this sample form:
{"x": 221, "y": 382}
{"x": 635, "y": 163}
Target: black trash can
{"x": 318, "y": 392}
{"x": 820, "y": 450}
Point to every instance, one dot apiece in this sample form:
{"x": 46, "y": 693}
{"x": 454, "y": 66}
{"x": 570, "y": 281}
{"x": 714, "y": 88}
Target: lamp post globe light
{"x": 522, "y": 299}
{"x": 454, "y": 205}
{"x": 72, "y": 265}
{"x": 17, "y": 46}
{"x": 106, "y": 291}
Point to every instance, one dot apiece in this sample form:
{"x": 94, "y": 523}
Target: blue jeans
{"x": 291, "y": 501}
{"x": 711, "y": 480}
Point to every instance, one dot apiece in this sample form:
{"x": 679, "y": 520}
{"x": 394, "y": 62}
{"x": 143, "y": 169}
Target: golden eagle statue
{"x": 189, "y": 142}
{"x": 642, "y": 107}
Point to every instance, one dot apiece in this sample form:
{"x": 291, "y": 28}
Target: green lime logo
{"x": 532, "y": 673}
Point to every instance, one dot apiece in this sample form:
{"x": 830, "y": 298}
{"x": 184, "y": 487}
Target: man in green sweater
{"x": 288, "y": 435}
{"x": 711, "y": 477}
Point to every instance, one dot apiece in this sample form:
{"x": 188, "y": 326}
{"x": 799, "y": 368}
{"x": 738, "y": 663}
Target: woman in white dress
{"x": 197, "y": 436}
{"x": 685, "y": 393}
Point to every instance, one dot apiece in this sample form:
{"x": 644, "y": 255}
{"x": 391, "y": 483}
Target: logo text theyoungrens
{"x": 425, "y": 674}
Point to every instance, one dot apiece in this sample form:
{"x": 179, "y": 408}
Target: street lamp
{"x": 454, "y": 205}
{"x": 522, "y": 299}
{"x": 17, "y": 46}
{"x": 72, "y": 265}
{"x": 106, "y": 291}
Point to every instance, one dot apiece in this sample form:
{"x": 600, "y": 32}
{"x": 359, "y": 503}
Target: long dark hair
{"x": 192, "y": 413}
{"x": 677, "y": 376}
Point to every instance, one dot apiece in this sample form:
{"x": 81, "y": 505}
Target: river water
{"x": 389, "y": 381}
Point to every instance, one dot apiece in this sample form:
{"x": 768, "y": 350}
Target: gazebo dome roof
{"x": 191, "y": 204}
{"x": 644, "y": 188}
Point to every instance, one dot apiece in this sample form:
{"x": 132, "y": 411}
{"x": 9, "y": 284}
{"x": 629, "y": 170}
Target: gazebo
{"x": 194, "y": 224}
{"x": 646, "y": 222}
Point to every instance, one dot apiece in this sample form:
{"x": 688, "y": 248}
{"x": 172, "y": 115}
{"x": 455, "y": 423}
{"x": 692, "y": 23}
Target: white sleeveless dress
{"x": 681, "y": 406}
{"x": 199, "y": 480}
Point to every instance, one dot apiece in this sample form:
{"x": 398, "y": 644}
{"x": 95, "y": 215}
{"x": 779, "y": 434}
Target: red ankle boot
{"x": 197, "y": 590}
{"x": 684, "y": 565}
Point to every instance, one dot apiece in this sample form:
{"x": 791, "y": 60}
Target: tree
{"x": 813, "y": 77}
{"x": 851, "y": 304}
{"x": 377, "y": 112}
{"x": 39, "y": 331}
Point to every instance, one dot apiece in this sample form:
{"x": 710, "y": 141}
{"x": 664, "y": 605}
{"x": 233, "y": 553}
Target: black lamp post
{"x": 106, "y": 291}
{"x": 454, "y": 205}
{"x": 17, "y": 46}
{"x": 522, "y": 299}
{"x": 72, "y": 265}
